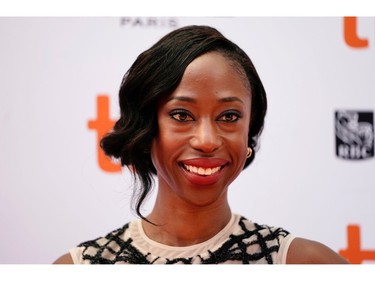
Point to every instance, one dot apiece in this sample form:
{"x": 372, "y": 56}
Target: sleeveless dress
{"x": 239, "y": 242}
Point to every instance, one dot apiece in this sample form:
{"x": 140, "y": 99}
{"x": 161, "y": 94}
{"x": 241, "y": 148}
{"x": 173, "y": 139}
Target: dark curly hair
{"x": 152, "y": 78}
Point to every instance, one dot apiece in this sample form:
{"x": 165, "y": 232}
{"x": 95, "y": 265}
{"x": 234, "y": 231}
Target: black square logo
{"x": 354, "y": 134}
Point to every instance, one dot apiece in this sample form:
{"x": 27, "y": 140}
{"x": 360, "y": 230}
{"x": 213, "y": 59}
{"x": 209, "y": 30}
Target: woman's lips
{"x": 203, "y": 171}
{"x": 205, "y": 162}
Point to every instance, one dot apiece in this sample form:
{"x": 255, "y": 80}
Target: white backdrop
{"x": 54, "y": 195}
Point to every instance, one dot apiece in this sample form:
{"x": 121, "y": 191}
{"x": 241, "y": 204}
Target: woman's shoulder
{"x": 92, "y": 249}
{"x": 304, "y": 251}
{"x": 295, "y": 250}
{"x": 64, "y": 259}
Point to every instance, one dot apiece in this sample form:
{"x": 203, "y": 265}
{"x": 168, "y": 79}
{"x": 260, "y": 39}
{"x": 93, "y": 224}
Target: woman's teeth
{"x": 202, "y": 171}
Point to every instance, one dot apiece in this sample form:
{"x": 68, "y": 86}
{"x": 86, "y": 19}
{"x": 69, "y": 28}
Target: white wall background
{"x": 53, "y": 194}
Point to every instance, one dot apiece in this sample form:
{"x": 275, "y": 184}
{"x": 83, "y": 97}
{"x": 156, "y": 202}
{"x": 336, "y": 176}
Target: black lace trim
{"x": 234, "y": 249}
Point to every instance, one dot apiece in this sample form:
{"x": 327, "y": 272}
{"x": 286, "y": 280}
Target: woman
{"x": 192, "y": 110}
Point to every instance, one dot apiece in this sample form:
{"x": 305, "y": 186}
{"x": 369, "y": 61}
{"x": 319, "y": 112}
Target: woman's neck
{"x": 186, "y": 226}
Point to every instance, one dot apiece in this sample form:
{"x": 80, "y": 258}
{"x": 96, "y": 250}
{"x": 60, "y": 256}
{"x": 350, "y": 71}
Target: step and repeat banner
{"x": 314, "y": 172}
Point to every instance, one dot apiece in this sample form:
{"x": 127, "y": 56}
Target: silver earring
{"x": 249, "y": 152}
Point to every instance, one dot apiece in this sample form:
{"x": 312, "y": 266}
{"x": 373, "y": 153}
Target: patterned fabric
{"x": 246, "y": 243}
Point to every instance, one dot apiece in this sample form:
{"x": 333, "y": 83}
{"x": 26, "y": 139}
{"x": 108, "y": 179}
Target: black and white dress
{"x": 240, "y": 241}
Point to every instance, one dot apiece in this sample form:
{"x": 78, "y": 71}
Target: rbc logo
{"x": 354, "y": 134}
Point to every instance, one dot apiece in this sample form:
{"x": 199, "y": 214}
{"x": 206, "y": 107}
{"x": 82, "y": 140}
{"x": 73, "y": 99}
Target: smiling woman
{"x": 192, "y": 110}
{"x": 203, "y": 127}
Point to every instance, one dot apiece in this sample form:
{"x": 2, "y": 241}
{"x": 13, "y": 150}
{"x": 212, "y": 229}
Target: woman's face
{"x": 203, "y": 132}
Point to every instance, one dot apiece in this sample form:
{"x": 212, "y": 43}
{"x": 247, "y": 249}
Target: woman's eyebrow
{"x": 183, "y": 98}
{"x": 230, "y": 99}
{"x": 192, "y": 100}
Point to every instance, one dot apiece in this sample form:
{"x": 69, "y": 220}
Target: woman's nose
{"x": 206, "y": 137}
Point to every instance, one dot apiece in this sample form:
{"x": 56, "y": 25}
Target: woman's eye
{"x": 229, "y": 117}
{"x": 181, "y": 116}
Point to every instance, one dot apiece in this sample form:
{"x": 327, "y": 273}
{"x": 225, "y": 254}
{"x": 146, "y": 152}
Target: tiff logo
{"x": 103, "y": 124}
{"x": 354, "y": 134}
{"x": 351, "y": 36}
{"x": 354, "y": 252}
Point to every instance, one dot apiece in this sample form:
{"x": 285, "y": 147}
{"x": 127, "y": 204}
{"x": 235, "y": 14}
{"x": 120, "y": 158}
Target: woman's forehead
{"x": 215, "y": 65}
